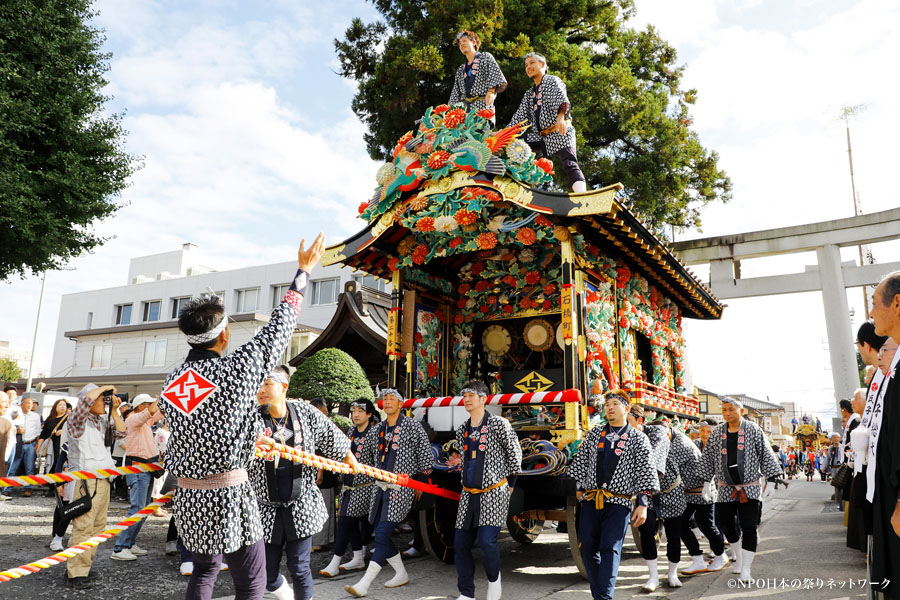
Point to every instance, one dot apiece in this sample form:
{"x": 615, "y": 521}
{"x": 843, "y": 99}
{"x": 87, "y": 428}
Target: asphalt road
{"x": 801, "y": 538}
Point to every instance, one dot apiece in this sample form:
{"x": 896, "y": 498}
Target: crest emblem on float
{"x": 188, "y": 391}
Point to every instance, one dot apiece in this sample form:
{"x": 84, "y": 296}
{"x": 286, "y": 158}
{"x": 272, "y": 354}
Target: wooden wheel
{"x": 524, "y": 531}
{"x": 438, "y": 530}
{"x": 572, "y": 524}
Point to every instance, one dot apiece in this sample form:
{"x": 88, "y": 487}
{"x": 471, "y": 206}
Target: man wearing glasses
{"x": 612, "y": 465}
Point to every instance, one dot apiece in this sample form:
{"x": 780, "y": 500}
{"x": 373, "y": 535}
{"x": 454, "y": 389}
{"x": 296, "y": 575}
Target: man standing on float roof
{"x": 611, "y": 466}
{"x": 491, "y": 458}
{"x": 403, "y": 447}
{"x": 209, "y": 402}
{"x": 738, "y": 455}
{"x": 546, "y": 108}
{"x": 479, "y": 79}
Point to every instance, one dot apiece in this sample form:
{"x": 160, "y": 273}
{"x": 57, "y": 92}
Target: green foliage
{"x": 632, "y": 117}
{"x": 9, "y": 370}
{"x": 343, "y": 423}
{"x": 331, "y": 374}
{"x": 61, "y": 156}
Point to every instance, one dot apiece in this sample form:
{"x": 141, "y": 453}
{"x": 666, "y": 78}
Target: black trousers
{"x": 703, "y": 517}
{"x": 748, "y": 513}
{"x": 672, "y": 525}
{"x": 566, "y": 156}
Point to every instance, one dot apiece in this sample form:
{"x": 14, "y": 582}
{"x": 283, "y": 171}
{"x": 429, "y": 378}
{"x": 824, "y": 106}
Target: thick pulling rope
{"x": 319, "y": 462}
{"x": 61, "y": 557}
{"x": 570, "y": 395}
{"x": 51, "y": 478}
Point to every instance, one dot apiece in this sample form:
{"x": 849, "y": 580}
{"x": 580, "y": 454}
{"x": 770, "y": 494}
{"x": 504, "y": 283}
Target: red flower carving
{"x": 484, "y": 308}
{"x": 454, "y": 118}
{"x": 393, "y": 263}
{"x": 461, "y": 303}
{"x": 549, "y": 288}
{"x": 509, "y": 280}
{"x": 545, "y": 164}
{"x": 405, "y": 138}
{"x": 491, "y": 299}
{"x": 419, "y": 338}
{"x": 419, "y": 254}
{"x": 363, "y": 207}
{"x": 547, "y": 305}
{"x": 464, "y": 288}
{"x": 526, "y": 235}
{"x": 532, "y": 277}
{"x": 425, "y": 224}
{"x": 508, "y": 308}
{"x": 432, "y": 369}
{"x": 493, "y": 196}
{"x": 543, "y": 221}
{"x": 465, "y": 217}
{"x": 525, "y": 302}
{"x": 482, "y": 285}
{"x": 441, "y": 108}
{"x": 487, "y": 241}
{"x": 458, "y": 319}
{"x": 486, "y": 113}
{"x": 477, "y": 268}
{"x": 438, "y": 160}
{"x": 455, "y": 242}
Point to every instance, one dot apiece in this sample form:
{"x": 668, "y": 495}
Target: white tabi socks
{"x": 362, "y": 588}
{"x": 400, "y": 576}
{"x": 653, "y": 580}
{"x": 698, "y": 565}
{"x": 284, "y": 591}
{"x": 494, "y": 589}
{"x": 737, "y": 551}
{"x": 674, "y": 582}
{"x": 746, "y": 562}
{"x": 579, "y": 186}
{"x": 357, "y": 562}
{"x": 719, "y": 562}
{"x": 332, "y": 569}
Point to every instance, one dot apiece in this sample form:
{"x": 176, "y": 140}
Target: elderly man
{"x": 211, "y": 408}
{"x": 611, "y": 467}
{"x": 491, "y": 459}
{"x": 739, "y": 455}
{"x": 28, "y": 428}
{"x": 97, "y": 410}
{"x": 403, "y": 447}
{"x": 884, "y": 492}
{"x": 546, "y": 108}
{"x": 290, "y": 502}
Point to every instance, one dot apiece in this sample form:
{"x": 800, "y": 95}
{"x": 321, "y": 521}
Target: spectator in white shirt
{"x": 29, "y": 428}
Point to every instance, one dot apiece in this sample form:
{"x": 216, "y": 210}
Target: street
{"x": 801, "y": 538}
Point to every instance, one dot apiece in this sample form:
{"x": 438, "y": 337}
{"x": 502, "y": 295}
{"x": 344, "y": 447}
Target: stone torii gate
{"x": 724, "y": 255}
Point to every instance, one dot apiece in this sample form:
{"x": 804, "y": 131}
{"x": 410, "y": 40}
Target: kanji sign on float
{"x": 188, "y": 391}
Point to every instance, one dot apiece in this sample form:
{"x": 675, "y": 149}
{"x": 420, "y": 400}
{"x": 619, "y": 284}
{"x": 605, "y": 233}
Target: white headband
{"x": 735, "y": 401}
{"x": 203, "y": 338}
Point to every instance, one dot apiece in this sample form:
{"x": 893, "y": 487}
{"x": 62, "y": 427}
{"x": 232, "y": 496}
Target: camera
{"x": 108, "y": 394}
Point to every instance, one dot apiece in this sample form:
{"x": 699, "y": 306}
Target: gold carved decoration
{"x": 533, "y": 382}
{"x": 333, "y": 255}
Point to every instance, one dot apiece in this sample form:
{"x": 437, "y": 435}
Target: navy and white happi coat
{"x": 630, "y": 468}
{"x": 486, "y": 75}
{"x": 497, "y": 455}
{"x": 690, "y": 476}
{"x": 311, "y": 432}
{"x": 539, "y": 107}
{"x": 211, "y": 409}
{"x": 758, "y": 461}
{"x": 402, "y": 449}
{"x": 356, "y": 502}
{"x": 680, "y": 458}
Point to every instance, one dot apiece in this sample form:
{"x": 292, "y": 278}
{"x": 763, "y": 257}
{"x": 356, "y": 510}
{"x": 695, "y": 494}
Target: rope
{"x": 61, "y": 557}
{"x": 540, "y": 457}
{"x": 52, "y": 478}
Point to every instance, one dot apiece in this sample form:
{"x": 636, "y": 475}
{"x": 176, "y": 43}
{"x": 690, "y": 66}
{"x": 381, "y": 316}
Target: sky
{"x": 249, "y": 143}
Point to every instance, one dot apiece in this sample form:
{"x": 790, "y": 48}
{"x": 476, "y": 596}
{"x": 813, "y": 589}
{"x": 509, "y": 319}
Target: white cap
{"x": 142, "y": 399}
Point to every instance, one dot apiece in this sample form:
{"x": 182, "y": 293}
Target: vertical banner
{"x": 428, "y": 352}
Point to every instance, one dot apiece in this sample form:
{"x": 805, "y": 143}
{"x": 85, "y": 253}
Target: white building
{"x": 21, "y": 357}
{"x": 128, "y": 335}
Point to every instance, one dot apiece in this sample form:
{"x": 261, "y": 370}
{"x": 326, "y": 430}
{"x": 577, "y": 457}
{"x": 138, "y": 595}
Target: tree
{"x": 632, "y": 118}
{"x": 61, "y": 156}
{"x": 9, "y": 370}
{"x": 331, "y": 374}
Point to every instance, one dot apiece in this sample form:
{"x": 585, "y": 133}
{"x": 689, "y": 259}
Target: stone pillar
{"x": 844, "y": 372}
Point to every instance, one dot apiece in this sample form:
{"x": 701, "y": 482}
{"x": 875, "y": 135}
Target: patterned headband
{"x": 735, "y": 401}
{"x": 279, "y": 376}
{"x": 203, "y": 338}
{"x": 469, "y": 390}
{"x": 623, "y": 399}
{"x": 536, "y": 56}
{"x": 390, "y": 392}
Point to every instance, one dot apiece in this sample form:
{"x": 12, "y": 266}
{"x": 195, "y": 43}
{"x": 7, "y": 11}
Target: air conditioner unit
{"x": 163, "y": 275}
{"x": 194, "y": 271}
{"x": 141, "y": 279}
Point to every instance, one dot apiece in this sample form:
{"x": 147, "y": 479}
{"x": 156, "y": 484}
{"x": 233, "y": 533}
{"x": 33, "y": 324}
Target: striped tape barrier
{"x": 320, "y": 462}
{"x": 61, "y": 557}
{"x": 564, "y": 396}
{"x": 51, "y": 478}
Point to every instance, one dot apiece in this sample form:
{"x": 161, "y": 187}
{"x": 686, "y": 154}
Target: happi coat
{"x": 358, "y": 489}
{"x": 693, "y": 480}
{"x": 211, "y": 409}
{"x": 498, "y": 455}
{"x": 682, "y": 457}
{"x": 755, "y": 459}
{"x": 539, "y": 108}
{"x": 630, "y": 470}
{"x": 487, "y": 75}
{"x": 408, "y": 451}
{"x": 312, "y": 432}
{"x": 885, "y": 556}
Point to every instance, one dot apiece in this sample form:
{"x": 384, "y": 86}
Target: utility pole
{"x": 847, "y": 113}
{"x": 37, "y": 324}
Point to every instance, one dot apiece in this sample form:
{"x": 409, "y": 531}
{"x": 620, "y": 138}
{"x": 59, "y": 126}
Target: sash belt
{"x": 599, "y": 497}
{"x": 384, "y": 485}
{"x": 738, "y": 491}
{"x": 487, "y": 489}
{"x": 350, "y": 488}
{"x": 674, "y": 485}
{"x": 215, "y": 482}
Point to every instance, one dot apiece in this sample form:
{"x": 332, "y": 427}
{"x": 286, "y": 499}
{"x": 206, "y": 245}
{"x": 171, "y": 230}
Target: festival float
{"x": 549, "y": 298}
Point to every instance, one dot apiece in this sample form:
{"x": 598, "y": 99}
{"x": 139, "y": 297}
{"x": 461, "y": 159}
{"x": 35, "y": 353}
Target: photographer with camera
{"x": 93, "y": 426}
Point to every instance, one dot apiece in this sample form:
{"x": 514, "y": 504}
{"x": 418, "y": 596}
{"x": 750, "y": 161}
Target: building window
{"x": 178, "y": 305}
{"x": 101, "y": 356}
{"x": 370, "y": 281}
{"x": 151, "y": 310}
{"x": 90, "y": 320}
{"x": 123, "y": 314}
{"x": 325, "y": 291}
{"x": 278, "y": 292}
{"x": 703, "y": 408}
{"x": 247, "y": 300}
{"x": 155, "y": 353}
